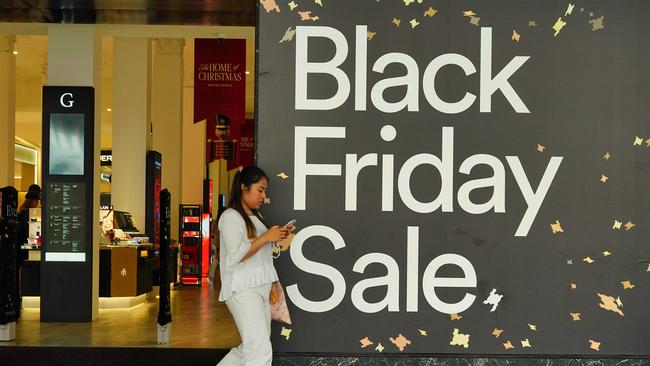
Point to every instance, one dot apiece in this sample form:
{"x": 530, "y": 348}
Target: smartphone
{"x": 292, "y": 222}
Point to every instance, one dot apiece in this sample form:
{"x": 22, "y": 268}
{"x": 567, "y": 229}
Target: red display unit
{"x": 191, "y": 240}
{"x": 205, "y": 244}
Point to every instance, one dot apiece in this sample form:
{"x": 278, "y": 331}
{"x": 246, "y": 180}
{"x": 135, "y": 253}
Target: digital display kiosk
{"x": 68, "y": 171}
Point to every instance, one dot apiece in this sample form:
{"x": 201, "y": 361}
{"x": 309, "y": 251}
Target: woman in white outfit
{"x": 246, "y": 268}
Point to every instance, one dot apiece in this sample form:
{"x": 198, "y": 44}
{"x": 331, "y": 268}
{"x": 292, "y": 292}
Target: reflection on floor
{"x": 199, "y": 320}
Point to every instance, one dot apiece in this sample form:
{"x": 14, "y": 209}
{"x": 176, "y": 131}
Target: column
{"x": 131, "y": 120}
{"x": 7, "y": 110}
{"x": 167, "y": 116}
{"x": 74, "y": 59}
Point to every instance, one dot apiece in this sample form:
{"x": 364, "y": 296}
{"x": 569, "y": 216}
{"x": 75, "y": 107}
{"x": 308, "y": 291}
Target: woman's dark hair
{"x": 247, "y": 177}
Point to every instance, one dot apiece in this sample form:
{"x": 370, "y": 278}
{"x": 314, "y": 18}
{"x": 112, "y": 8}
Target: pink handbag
{"x": 279, "y": 309}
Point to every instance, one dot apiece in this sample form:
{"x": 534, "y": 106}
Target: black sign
{"x": 467, "y": 176}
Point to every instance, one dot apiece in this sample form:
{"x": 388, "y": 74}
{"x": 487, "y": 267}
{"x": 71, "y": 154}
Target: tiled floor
{"x": 198, "y": 321}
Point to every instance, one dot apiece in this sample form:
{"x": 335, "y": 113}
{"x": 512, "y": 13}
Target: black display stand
{"x": 164, "y": 309}
{"x": 9, "y": 301}
{"x": 190, "y": 238}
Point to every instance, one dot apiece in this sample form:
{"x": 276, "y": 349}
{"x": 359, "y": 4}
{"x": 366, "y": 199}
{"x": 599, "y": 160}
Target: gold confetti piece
{"x": 532, "y": 327}
{"x": 515, "y": 36}
{"x": 609, "y": 303}
{"x": 647, "y": 142}
{"x": 408, "y": 2}
{"x": 525, "y": 343}
{"x": 270, "y": 5}
{"x": 469, "y": 13}
{"x": 573, "y": 286}
{"x": 283, "y": 175}
{"x": 532, "y": 23}
{"x": 606, "y": 156}
{"x": 638, "y": 141}
{"x": 508, "y": 345}
{"x": 319, "y": 2}
{"x": 648, "y": 270}
{"x": 371, "y": 35}
{"x": 267, "y": 200}
{"x": 540, "y": 148}
{"x": 455, "y": 316}
{"x": 414, "y": 23}
{"x": 556, "y": 227}
{"x": 292, "y": 5}
{"x": 497, "y": 332}
{"x": 617, "y": 225}
{"x": 430, "y": 12}
{"x": 582, "y": 10}
{"x": 569, "y": 10}
{"x": 306, "y": 15}
{"x": 286, "y": 333}
{"x": 493, "y": 299}
{"x": 365, "y": 342}
{"x": 459, "y": 339}
{"x": 557, "y": 27}
{"x": 619, "y": 302}
{"x": 627, "y": 285}
{"x": 575, "y": 316}
{"x": 629, "y": 225}
{"x": 589, "y": 260}
{"x": 594, "y": 345}
{"x": 400, "y": 342}
{"x": 606, "y": 253}
{"x": 603, "y": 178}
{"x": 474, "y": 21}
{"x": 397, "y": 21}
{"x": 569, "y": 261}
{"x": 591, "y": 13}
{"x": 379, "y": 348}
{"x": 288, "y": 37}
{"x": 597, "y": 24}
{"x": 422, "y": 332}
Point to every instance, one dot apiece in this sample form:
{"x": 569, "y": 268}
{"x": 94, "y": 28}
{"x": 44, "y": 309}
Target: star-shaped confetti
{"x": 267, "y": 200}
{"x": 525, "y": 343}
{"x": 319, "y": 2}
{"x": 497, "y": 332}
{"x": 532, "y": 327}
{"x": 573, "y": 286}
{"x": 414, "y": 23}
{"x": 603, "y": 178}
{"x": 557, "y": 27}
{"x": 379, "y": 348}
{"x": 459, "y": 339}
{"x": 292, "y": 5}
{"x": 575, "y": 316}
{"x": 365, "y": 342}
{"x": 648, "y": 270}
{"x": 423, "y": 332}
{"x": 288, "y": 37}
{"x": 515, "y": 36}
{"x": 532, "y": 23}
{"x": 597, "y": 24}
{"x": 493, "y": 299}
{"x": 270, "y": 5}
{"x": 540, "y": 148}
{"x": 619, "y": 302}
{"x": 627, "y": 285}
{"x": 508, "y": 345}
{"x": 607, "y": 156}
{"x": 469, "y": 13}
{"x": 400, "y": 342}
{"x": 286, "y": 333}
{"x": 455, "y": 316}
{"x": 306, "y": 15}
{"x": 569, "y": 261}
{"x": 408, "y": 2}
{"x": 371, "y": 35}
{"x": 629, "y": 225}
{"x": 569, "y": 10}
{"x": 283, "y": 175}
{"x": 638, "y": 141}
{"x": 607, "y": 253}
{"x": 594, "y": 345}
{"x": 430, "y": 12}
{"x": 609, "y": 303}
{"x": 397, "y": 21}
{"x": 556, "y": 227}
{"x": 647, "y": 142}
{"x": 617, "y": 225}
{"x": 588, "y": 260}
{"x": 474, "y": 21}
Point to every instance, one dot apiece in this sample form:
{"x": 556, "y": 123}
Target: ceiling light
{"x": 108, "y": 109}
{"x": 15, "y": 52}
{"x": 248, "y": 72}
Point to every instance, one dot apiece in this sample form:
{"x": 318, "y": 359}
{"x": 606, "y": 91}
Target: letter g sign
{"x": 66, "y": 100}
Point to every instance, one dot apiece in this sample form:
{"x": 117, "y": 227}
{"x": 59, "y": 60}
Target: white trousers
{"x": 252, "y": 313}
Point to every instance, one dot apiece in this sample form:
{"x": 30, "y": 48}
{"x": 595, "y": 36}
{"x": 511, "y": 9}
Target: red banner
{"x": 220, "y": 95}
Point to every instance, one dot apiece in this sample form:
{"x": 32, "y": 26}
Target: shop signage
{"x": 466, "y": 179}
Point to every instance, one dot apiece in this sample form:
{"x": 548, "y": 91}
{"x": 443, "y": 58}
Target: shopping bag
{"x": 278, "y": 303}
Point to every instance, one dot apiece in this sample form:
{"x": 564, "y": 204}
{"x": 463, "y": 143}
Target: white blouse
{"x": 233, "y": 245}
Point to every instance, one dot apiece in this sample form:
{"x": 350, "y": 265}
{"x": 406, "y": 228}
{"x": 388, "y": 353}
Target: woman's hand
{"x": 276, "y": 233}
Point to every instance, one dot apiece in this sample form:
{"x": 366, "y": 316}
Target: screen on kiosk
{"x": 66, "y": 144}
